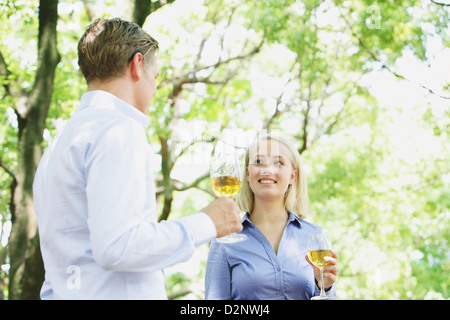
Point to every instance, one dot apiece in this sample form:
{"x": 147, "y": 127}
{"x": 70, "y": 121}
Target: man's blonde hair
{"x": 296, "y": 197}
{"x": 108, "y": 46}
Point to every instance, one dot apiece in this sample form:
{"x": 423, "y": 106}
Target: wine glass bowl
{"x": 225, "y": 175}
{"x": 226, "y": 186}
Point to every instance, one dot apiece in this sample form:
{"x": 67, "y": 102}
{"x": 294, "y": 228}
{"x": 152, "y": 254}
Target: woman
{"x": 272, "y": 263}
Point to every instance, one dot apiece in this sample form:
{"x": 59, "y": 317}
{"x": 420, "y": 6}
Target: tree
{"x": 31, "y": 108}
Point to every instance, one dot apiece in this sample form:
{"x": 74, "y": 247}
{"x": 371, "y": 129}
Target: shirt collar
{"x": 295, "y": 219}
{"x": 106, "y": 100}
{"x": 292, "y": 218}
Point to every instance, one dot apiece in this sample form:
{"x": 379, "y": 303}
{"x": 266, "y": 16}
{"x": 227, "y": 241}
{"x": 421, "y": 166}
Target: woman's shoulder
{"x": 302, "y": 222}
{"x": 309, "y": 225}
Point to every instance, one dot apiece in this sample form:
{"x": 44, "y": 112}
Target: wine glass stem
{"x": 322, "y": 292}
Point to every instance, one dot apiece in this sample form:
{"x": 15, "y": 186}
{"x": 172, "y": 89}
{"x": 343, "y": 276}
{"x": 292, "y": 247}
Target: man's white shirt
{"x": 95, "y": 202}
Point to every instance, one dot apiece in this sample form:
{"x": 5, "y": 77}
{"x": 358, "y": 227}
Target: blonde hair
{"x": 296, "y": 197}
{"x": 108, "y": 46}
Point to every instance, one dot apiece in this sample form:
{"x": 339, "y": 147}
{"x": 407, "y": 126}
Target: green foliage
{"x": 388, "y": 212}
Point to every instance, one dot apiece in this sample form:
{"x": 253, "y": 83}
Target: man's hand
{"x": 225, "y": 214}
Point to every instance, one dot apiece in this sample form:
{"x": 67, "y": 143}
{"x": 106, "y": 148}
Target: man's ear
{"x": 136, "y": 66}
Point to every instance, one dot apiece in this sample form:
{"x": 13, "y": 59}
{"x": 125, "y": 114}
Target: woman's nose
{"x": 268, "y": 169}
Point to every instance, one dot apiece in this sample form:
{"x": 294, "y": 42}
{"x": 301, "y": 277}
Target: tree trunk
{"x": 139, "y": 10}
{"x": 27, "y": 271}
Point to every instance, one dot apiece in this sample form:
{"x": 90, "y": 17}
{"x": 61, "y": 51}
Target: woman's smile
{"x": 266, "y": 181}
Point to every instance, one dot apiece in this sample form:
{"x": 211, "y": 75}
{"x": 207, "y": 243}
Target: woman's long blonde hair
{"x": 296, "y": 197}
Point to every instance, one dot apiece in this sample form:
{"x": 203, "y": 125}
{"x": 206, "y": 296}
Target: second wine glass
{"x": 319, "y": 247}
{"x": 225, "y": 174}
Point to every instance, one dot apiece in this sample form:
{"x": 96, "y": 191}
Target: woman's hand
{"x": 330, "y": 272}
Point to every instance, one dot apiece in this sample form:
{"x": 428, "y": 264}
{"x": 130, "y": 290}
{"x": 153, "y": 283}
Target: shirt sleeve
{"x": 124, "y": 233}
{"x": 218, "y": 274}
{"x": 331, "y": 292}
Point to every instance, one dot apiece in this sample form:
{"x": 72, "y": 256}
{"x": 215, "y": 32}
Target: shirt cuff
{"x": 202, "y": 227}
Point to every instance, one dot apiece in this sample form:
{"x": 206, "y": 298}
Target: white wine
{"x": 226, "y": 186}
{"x": 317, "y": 257}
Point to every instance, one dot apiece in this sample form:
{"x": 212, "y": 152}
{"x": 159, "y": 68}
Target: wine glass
{"x": 225, "y": 177}
{"x": 319, "y": 247}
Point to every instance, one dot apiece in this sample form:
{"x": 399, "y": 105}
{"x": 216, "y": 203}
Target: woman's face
{"x": 270, "y": 170}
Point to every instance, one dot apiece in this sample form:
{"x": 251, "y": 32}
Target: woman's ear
{"x": 294, "y": 176}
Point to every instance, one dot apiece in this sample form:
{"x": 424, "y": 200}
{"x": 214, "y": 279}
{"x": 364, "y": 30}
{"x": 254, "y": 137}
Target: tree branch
{"x": 191, "y": 77}
{"x": 440, "y": 3}
{"x": 185, "y": 149}
{"x": 254, "y": 51}
{"x": 306, "y": 120}
{"x": 4, "y": 72}
{"x": 396, "y": 74}
{"x": 194, "y": 184}
{"x": 90, "y": 13}
{"x": 8, "y": 84}
{"x": 160, "y": 3}
{"x": 268, "y": 122}
{"x": 7, "y": 170}
{"x": 179, "y": 294}
{"x": 141, "y": 9}
{"x": 384, "y": 65}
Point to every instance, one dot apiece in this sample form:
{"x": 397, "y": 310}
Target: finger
{"x": 329, "y": 280}
{"x": 237, "y": 222}
{"x": 331, "y": 261}
{"x": 333, "y": 258}
{"x": 330, "y": 270}
{"x": 315, "y": 268}
{"x": 238, "y": 227}
{"x": 309, "y": 261}
{"x": 334, "y": 254}
{"x": 330, "y": 274}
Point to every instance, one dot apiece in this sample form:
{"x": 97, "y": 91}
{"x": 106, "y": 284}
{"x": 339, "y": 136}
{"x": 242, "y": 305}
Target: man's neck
{"x": 119, "y": 87}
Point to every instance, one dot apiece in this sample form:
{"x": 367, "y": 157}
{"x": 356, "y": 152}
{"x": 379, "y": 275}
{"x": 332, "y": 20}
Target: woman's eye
{"x": 258, "y": 162}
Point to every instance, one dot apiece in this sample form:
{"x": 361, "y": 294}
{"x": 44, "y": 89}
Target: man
{"x": 94, "y": 190}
